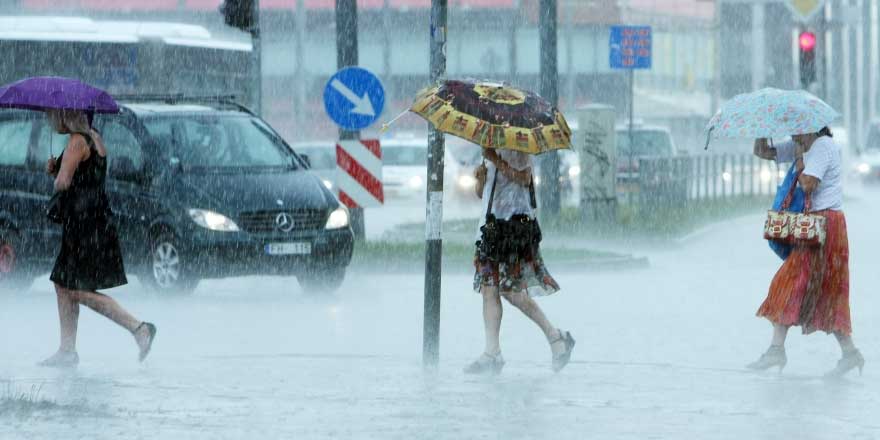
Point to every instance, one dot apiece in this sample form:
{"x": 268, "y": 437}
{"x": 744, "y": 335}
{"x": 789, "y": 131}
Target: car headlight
{"x": 212, "y": 220}
{"x": 863, "y": 168}
{"x": 766, "y": 175}
{"x": 415, "y": 182}
{"x": 466, "y": 181}
{"x": 327, "y": 184}
{"x": 574, "y": 171}
{"x": 338, "y": 219}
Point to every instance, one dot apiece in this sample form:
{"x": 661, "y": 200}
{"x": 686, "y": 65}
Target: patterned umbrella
{"x": 494, "y": 115}
{"x": 769, "y": 113}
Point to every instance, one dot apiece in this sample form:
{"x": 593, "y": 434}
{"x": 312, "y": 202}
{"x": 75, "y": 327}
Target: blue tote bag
{"x": 797, "y": 205}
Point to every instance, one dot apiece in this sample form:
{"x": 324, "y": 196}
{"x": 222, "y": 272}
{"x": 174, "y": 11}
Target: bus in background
{"x": 127, "y": 57}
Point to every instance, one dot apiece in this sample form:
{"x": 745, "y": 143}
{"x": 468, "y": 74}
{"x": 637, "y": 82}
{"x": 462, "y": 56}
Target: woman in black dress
{"x": 90, "y": 258}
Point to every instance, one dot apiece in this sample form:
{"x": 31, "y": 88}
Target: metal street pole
{"x": 300, "y": 73}
{"x": 716, "y": 58}
{"x": 256, "y": 60}
{"x": 632, "y": 104}
{"x": 434, "y": 211}
{"x": 347, "y": 55}
{"x": 550, "y": 91}
{"x": 512, "y": 43}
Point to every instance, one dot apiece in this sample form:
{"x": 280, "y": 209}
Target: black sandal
{"x": 151, "y": 329}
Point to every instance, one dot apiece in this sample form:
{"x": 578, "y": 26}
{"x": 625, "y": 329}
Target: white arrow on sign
{"x": 362, "y": 105}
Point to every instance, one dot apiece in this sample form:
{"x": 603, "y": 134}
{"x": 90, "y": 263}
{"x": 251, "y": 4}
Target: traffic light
{"x": 238, "y": 13}
{"x": 807, "y": 46}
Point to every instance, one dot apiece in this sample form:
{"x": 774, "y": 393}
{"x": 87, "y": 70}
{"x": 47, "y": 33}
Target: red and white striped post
{"x": 359, "y": 173}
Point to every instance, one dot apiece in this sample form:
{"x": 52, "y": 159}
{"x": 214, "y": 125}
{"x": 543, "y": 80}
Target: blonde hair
{"x": 74, "y": 121}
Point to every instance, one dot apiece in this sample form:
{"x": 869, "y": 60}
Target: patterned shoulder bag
{"x": 795, "y": 228}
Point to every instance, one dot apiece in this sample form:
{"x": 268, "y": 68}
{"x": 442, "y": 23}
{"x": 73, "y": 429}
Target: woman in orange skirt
{"x": 811, "y": 289}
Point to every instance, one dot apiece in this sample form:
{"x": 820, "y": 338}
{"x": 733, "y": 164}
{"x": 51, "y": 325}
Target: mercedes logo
{"x": 284, "y": 222}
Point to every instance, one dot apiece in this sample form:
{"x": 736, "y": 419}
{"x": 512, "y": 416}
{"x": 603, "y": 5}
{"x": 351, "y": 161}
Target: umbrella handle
{"x": 387, "y": 125}
{"x": 708, "y": 137}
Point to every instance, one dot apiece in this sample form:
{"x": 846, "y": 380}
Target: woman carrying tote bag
{"x": 811, "y": 289}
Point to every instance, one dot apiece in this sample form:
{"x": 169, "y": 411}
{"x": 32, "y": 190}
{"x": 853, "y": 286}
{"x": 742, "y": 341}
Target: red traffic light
{"x": 807, "y": 40}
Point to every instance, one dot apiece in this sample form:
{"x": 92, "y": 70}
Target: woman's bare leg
{"x": 779, "y": 333}
{"x": 109, "y": 308}
{"x": 492, "y": 313}
{"x": 530, "y": 308}
{"x": 68, "y": 317}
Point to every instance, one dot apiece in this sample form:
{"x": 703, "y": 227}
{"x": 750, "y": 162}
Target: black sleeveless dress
{"x": 90, "y": 258}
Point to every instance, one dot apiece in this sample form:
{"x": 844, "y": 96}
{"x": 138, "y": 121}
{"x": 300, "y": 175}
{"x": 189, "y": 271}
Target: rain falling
{"x": 439, "y": 219}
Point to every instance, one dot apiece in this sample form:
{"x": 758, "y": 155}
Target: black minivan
{"x": 199, "y": 189}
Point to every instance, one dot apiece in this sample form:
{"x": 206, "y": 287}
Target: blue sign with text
{"x": 354, "y": 98}
{"x": 630, "y": 47}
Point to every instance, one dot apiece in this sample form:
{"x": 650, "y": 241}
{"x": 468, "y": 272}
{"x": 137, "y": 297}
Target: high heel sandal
{"x": 486, "y": 364}
{"x": 561, "y": 360}
{"x": 773, "y": 357}
{"x": 151, "y": 331}
{"x": 850, "y": 360}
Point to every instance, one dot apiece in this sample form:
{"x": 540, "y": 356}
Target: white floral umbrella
{"x": 769, "y": 113}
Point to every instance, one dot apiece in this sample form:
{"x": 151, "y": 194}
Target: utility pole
{"x": 346, "y": 56}
{"x": 716, "y": 59}
{"x": 434, "y": 210}
{"x": 550, "y": 203}
{"x": 300, "y": 73}
{"x": 257, "y": 58}
{"x": 512, "y": 48}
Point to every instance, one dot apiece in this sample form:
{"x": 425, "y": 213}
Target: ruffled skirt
{"x": 811, "y": 289}
{"x": 527, "y": 273}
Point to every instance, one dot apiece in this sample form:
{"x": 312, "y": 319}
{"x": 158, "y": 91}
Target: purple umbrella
{"x": 54, "y": 92}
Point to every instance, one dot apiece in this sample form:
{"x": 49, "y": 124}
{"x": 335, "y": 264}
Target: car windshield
{"x": 321, "y": 158}
{"x": 219, "y": 141}
{"x": 404, "y": 155}
{"x": 647, "y": 143}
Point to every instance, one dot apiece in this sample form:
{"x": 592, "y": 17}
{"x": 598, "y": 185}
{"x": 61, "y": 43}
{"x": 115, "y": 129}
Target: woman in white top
{"x": 522, "y": 275}
{"x": 811, "y": 289}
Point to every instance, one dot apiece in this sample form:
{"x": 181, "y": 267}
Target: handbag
{"x": 795, "y": 228}
{"x": 783, "y": 250}
{"x": 55, "y": 208}
{"x": 507, "y": 240}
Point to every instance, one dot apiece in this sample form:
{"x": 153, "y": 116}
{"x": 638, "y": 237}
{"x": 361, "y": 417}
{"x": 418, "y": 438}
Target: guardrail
{"x": 677, "y": 181}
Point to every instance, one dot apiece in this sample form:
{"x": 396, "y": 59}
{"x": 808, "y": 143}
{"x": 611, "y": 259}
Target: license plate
{"x": 289, "y": 248}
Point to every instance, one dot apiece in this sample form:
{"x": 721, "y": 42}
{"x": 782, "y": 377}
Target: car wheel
{"x": 14, "y": 276}
{"x": 166, "y": 270}
{"x": 322, "y": 281}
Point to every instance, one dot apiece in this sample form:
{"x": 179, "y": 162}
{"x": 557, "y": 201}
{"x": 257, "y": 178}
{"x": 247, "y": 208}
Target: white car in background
{"x": 866, "y": 166}
{"x": 404, "y": 166}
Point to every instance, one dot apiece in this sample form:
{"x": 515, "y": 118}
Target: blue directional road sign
{"x": 354, "y": 98}
{"x": 630, "y": 47}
